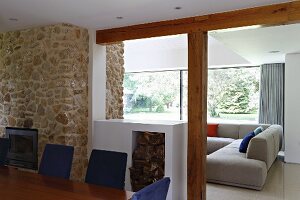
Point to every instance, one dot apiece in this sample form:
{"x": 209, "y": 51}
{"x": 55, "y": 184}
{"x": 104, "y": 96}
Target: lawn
{"x": 234, "y": 118}
{"x": 174, "y": 115}
{"x": 239, "y": 116}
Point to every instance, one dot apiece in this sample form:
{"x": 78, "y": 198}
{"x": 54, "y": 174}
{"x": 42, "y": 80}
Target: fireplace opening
{"x": 23, "y": 147}
{"x": 148, "y": 159}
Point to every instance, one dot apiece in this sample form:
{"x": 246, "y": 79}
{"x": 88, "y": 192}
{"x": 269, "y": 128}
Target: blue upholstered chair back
{"x": 157, "y": 191}
{"x": 57, "y": 161}
{"x": 107, "y": 168}
{"x": 4, "y": 146}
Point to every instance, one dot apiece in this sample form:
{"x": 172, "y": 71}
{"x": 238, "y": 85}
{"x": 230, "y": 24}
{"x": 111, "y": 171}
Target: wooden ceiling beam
{"x": 283, "y": 13}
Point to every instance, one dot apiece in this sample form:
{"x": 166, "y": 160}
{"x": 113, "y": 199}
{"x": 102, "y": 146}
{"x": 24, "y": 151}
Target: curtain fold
{"x": 271, "y": 108}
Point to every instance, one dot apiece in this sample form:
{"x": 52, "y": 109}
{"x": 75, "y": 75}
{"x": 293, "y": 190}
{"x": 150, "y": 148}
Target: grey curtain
{"x": 271, "y": 108}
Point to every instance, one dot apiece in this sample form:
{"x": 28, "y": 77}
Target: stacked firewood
{"x": 148, "y": 160}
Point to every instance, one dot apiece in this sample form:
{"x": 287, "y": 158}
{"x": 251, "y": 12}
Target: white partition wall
{"x": 97, "y": 84}
{"x": 292, "y": 108}
{"x": 119, "y": 135}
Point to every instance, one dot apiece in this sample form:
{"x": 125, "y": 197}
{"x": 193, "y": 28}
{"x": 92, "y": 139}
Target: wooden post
{"x": 197, "y": 115}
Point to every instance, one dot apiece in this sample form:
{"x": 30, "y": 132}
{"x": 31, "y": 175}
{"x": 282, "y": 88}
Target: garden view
{"x": 233, "y": 95}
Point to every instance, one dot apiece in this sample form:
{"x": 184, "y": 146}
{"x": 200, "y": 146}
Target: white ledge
{"x": 145, "y": 122}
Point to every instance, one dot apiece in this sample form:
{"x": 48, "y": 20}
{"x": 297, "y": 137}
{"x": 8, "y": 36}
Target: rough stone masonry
{"x": 43, "y": 85}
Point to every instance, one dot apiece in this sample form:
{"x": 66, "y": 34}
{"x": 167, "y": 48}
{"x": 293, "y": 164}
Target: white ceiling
{"x": 101, "y": 14}
{"x": 246, "y": 46}
{"x": 255, "y": 44}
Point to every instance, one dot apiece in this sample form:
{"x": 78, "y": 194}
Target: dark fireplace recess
{"x": 23, "y": 147}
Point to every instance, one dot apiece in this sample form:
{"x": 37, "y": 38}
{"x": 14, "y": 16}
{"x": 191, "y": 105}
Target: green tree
{"x": 233, "y": 90}
{"x": 235, "y": 99}
{"x": 152, "y": 89}
{"x": 217, "y": 82}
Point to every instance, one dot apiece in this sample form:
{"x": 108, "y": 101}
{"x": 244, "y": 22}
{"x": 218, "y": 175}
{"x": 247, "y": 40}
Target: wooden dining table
{"x": 20, "y": 185}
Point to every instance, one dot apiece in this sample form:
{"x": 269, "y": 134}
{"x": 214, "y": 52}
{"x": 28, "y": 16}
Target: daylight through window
{"x": 233, "y": 95}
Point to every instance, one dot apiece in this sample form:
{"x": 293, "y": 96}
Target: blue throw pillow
{"x": 245, "y": 142}
{"x": 258, "y": 130}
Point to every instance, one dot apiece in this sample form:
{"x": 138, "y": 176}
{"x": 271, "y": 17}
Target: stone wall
{"x": 43, "y": 85}
{"x": 114, "y": 82}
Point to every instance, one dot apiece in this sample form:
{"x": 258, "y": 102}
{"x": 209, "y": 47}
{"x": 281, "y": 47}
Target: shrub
{"x": 160, "y": 109}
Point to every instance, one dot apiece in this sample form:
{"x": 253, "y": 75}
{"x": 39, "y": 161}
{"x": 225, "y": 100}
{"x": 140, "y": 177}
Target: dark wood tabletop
{"x": 20, "y": 185}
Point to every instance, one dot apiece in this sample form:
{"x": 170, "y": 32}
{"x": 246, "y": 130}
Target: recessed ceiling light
{"x": 119, "y": 17}
{"x": 13, "y": 19}
{"x": 178, "y": 8}
{"x": 276, "y": 51}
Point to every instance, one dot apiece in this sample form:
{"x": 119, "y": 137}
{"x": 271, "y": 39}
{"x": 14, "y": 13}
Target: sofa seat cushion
{"x": 231, "y": 149}
{"x": 229, "y": 166}
{"x": 216, "y": 143}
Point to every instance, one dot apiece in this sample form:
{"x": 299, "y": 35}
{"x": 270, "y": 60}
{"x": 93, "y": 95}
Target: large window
{"x": 233, "y": 95}
{"x": 152, "y": 95}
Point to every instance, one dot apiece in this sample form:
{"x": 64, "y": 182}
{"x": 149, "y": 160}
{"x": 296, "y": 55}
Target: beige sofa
{"x": 226, "y": 165}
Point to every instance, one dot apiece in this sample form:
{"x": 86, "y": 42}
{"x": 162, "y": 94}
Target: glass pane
{"x": 21, "y": 144}
{"x": 152, "y": 95}
{"x": 233, "y": 95}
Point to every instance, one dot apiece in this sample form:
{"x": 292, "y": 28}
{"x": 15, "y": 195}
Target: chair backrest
{"x": 4, "y": 146}
{"x": 107, "y": 168}
{"x": 57, "y": 161}
{"x": 157, "y": 191}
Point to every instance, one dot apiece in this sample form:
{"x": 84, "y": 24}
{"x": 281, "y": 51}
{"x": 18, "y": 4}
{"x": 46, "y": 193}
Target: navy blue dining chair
{"x": 4, "y": 147}
{"x": 107, "y": 168}
{"x": 157, "y": 191}
{"x": 57, "y": 161}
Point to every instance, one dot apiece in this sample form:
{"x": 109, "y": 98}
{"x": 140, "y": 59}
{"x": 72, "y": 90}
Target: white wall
{"x": 154, "y": 60}
{"x": 156, "y": 54}
{"x": 119, "y": 135}
{"x": 170, "y": 52}
{"x": 97, "y": 84}
{"x": 292, "y": 108}
{"x": 220, "y": 55}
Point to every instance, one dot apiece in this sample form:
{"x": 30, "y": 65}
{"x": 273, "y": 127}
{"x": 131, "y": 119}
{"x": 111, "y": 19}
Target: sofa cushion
{"x": 245, "y": 142}
{"x": 229, "y": 131}
{"x": 232, "y": 149}
{"x": 236, "y": 170}
{"x": 212, "y": 130}
{"x": 258, "y": 130}
{"x": 244, "y": 129}
{"x": 266, "y": 145}
{"x": 216, "y": 143}
{"x": 229, "y": 166}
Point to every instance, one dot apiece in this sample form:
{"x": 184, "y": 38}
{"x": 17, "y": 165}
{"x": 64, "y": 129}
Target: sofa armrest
{"x": 266, "y": 145}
